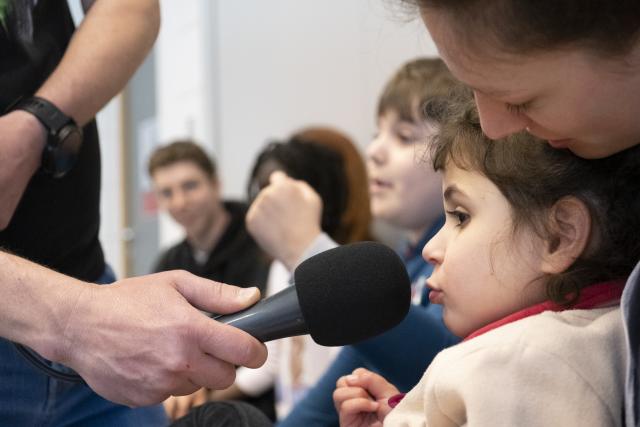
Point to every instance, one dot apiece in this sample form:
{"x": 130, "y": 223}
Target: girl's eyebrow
{"x": 452, "y": 191}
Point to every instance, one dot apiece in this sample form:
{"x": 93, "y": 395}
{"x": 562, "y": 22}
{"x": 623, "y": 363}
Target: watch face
{"x": 60, "y": 156}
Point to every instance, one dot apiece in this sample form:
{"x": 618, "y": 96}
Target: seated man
{"x": 217, "y": 245}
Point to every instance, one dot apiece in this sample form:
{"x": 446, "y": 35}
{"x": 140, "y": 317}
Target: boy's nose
{"x": 376, "y": 151}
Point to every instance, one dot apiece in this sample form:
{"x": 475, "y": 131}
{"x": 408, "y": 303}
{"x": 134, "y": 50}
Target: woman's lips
{"x": 559, "y": 143}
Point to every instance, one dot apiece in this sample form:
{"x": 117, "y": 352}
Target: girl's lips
{"x": 435, "y": 296}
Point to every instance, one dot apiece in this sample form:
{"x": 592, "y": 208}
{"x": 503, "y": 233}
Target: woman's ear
{"x": 570, "y": 227}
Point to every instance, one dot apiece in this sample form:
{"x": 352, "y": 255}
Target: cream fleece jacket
{"x": 552, "y": 369}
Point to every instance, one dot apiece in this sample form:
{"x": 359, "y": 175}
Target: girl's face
{"x": 570, "y": 98}
{"x": 482, "y": 270}
{"x": 404, "y": 189}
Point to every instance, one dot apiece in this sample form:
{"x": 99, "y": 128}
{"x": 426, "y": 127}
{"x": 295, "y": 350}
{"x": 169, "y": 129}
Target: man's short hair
{"x": 182, "y": 151}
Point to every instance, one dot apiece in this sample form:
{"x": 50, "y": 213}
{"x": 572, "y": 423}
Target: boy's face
{"x": 403, "y": 187}
{"x": 482, "y": 270}
{"x": 191, "y": 197}
{"x": 570, "y": 98}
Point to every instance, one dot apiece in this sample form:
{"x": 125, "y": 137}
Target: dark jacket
{"x": 236, "y": 259}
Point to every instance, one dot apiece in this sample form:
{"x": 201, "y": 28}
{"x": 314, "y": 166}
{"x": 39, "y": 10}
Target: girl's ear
{"x": 570, "y": 226}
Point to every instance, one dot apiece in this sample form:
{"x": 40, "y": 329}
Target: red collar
{"x": 590, "y": 297}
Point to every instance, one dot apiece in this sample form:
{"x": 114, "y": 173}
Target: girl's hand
{"x": 178, "y": 406}
{"x": 361, "y": 399}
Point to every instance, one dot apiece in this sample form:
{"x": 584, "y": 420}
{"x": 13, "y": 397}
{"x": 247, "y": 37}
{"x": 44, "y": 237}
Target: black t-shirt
{"x": 57, "y": 220}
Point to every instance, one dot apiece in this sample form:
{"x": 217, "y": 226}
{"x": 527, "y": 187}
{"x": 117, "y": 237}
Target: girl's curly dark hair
{"x": 533, "y": 176}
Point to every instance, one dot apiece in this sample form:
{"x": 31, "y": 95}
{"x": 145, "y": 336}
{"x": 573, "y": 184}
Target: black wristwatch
{"x": 64, "y": 137}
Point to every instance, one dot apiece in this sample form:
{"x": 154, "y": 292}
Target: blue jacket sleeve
{"x": 402, "y": 354}
{"x": 316, "y": 408}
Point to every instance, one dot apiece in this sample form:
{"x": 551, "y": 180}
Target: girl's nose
{"x": 433, "y": 251}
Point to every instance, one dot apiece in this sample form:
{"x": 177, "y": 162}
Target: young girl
{"x": 529, "y": 268}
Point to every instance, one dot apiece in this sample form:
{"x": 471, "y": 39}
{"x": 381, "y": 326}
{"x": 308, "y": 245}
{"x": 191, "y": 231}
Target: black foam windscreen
{"x": 352, "y": 292}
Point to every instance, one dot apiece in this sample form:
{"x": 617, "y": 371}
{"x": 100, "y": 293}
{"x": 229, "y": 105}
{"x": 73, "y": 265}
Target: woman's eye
{"x": 518, "y": 109}
{"x": 460, "y": 217}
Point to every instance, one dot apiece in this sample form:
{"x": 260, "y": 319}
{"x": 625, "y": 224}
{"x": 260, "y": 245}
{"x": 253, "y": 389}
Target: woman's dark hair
{"x": 533, "y": 176}
{"x": 319, "y": 166}
{"x": 355, "y": 222}
{"x": 606, "y": 27}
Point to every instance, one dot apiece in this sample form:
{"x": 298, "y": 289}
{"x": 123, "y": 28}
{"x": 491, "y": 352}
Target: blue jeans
{"x": 29, "y": 397}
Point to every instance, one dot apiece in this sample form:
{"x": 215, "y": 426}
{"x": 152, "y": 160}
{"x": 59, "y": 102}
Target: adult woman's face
{"x": 574, "y": 100}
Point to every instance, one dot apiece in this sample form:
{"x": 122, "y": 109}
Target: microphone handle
{"x": 278, "y": 316}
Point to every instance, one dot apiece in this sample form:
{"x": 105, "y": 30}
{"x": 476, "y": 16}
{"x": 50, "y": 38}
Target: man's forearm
{"x": 35, "y": 304}
{"x": 107, "y": 48}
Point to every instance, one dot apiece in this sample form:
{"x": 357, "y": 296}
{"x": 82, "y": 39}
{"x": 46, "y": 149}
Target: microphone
{"x": 339, "y": 297}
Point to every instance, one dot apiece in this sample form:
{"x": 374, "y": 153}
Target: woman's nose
{"x": 496, "y": 119}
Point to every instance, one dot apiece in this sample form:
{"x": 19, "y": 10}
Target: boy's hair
{"x": 533, "y": 176}
{"x": 182, "y": 151}
{"x": 605, "y": 27}
{"x": 413, "y": 85}
{"x": 317, "y": 165}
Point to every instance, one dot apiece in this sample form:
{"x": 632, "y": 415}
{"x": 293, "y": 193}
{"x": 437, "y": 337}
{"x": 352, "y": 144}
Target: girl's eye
{"x": 459, "y": 216}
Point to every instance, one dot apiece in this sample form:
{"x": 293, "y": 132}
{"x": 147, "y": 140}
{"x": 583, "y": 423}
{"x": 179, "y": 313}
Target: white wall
{"x": 233, "y": 74}
{"x": 111, "y": 199}
{"x": 111, "y": 209}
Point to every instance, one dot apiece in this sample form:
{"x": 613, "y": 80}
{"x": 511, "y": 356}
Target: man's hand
{"x": 141, "y": 340}
{"x": 22, "y": 140}
{"x": 285, "y": 218}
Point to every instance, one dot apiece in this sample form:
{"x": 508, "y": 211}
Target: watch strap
{"x": 48, "y": 114}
